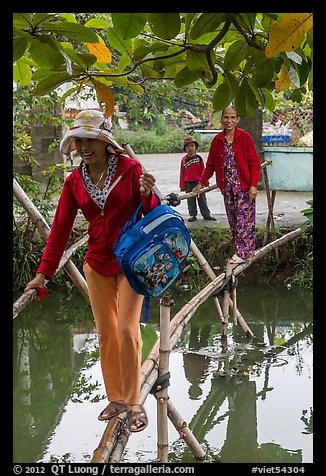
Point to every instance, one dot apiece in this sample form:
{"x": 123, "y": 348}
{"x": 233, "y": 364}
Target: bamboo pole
{"x": 210, "y": 273}
{"x": 44, "y": 229}
{"x": 183, "y": 196}
{"x": 270, "y": 218}
{"x": 162, "y": 395}
{"x": 185, "y": 433}
{"x": 25, "y": 298}
{"x": 226, "y": 300}
{"x": 234, "y": 307}
{"x": 127, "y": 147}
{"x": 107, "y": 442}
{"x": 267, "y": 248}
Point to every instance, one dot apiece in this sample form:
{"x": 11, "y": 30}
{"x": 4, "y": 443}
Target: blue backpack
{"x": 151, "y": 251}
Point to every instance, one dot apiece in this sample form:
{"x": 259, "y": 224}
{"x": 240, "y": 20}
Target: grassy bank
{"x": 293, "y": 265}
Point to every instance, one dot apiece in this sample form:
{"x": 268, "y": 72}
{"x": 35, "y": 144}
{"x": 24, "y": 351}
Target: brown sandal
{"x": 112, "y": 410}
{"x": 140, "y": 415}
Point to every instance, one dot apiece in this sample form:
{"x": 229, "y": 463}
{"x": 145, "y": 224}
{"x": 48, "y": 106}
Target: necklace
{"x": 101, "y": 176}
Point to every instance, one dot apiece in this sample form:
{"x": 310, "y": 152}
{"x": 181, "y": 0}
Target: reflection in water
{"x": 251, "y": 400}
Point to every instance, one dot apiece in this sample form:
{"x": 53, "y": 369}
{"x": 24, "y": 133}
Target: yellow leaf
{"x": 101, "y": 51}
{"x": 283, "y": 80}
{"x": 104, "y": 95}
{"x": 288, "y": 34}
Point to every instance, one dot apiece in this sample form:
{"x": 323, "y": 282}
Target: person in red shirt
{"x": 107, "y": 187}
{"x": 191, "y": 169}
{"x": 234, "y": 159}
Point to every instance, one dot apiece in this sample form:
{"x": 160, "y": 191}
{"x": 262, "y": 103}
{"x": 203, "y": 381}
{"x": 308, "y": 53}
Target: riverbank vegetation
{"x": 292, "y": 265}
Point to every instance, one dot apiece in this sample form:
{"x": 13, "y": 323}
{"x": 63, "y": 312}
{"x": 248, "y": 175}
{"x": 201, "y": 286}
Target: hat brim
{"x": 190, "y": 142}
{"x": 67, "y": 144}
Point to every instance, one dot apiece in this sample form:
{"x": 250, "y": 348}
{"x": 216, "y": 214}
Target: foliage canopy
{"x": 241, "y": 57}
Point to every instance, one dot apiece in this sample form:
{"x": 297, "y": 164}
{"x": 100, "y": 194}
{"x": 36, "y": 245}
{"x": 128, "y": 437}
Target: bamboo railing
{"x": 25, "y": 298}
{"x": 44, "y": 229}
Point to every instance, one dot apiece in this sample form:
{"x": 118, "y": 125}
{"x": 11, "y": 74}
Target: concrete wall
{"x": 291, "y": 169}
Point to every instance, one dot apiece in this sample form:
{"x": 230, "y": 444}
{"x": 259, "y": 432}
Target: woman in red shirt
{"x": 234, "y": 159}
{"x": 107, "y": 187}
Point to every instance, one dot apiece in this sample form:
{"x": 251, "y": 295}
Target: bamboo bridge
{"x": 155, "y": 367}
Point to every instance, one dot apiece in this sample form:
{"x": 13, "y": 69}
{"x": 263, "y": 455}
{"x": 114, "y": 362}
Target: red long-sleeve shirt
{"x": 191, "y": 169}
{"x": 247, "y": 160}
{"x": 104, "y": 225}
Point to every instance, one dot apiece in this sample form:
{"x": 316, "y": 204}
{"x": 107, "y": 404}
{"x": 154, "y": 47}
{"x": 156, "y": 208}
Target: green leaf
{"x": 263, "y": 73}
{"x": 222, "y": 96}
{"x": 123, "y": 46}
{"x": 97, "y": 23}
{"x": 233, "y": 84}
{"x": 22, "y": 20}
{"x": 236, "y": 53}
{"x": 144, "y": 48}
{"x": 303, "y": 71}
{"x": 20, "y": 44}
{"x": 206, "y": 23}
{"x": 86, "y": 60}
{"x": 188, "y": 19}
{"x": 51, "y": 82}
{"x": 164, "y": 25}
{"x": 136, "y": 88}
{"x": 269, "y": 102}
{"x": 123, "y": 62}
{"x": 185, "y": 76}
{"x": 149, "y": 71}
{"x": 44, "y": 54}
{"x": 296, "y": 96}
{"x": 293, "y": 74}
{"x": 245, "y": 102}
{"x": 294, "y": 56}
{"x": 129, "y": 25}
{"x": 68, "y": 93}
{"x": 41, "y": 18}
{"x": 73, "y": 31}
{"x": 197, "y": 61}
{"x": 22, "y": 74}
{"x": 70, "y": 17}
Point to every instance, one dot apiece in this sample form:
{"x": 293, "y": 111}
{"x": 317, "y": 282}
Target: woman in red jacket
{"x": 234, "y": 159}
{"x": 107, "y": 187}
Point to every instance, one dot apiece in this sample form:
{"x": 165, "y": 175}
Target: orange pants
{"x": 116, "y": 308}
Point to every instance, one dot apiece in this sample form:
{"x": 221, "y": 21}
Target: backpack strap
{"x": 133, "y": 219}
{"x": 147, "y": 304}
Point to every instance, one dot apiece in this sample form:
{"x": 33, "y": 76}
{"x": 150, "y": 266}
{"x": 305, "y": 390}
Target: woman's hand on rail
{"x": 197, "y": 189}
{"x": 37, "y": 282}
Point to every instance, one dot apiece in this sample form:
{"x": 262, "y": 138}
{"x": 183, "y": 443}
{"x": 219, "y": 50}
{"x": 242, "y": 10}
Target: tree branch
{"x": 249, "y": 39}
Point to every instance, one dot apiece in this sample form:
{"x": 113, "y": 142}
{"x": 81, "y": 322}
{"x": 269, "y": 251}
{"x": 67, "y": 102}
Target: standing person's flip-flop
{"x": 112, "y": 410}
{"x": 137, "y": 419}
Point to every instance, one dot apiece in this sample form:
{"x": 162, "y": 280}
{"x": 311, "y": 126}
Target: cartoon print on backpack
{"x": 178, "y": 245}
{"x": 155, "y": 269}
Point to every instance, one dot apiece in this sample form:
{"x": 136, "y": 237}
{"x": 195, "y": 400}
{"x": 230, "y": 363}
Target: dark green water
{"x": 245, "y": 401}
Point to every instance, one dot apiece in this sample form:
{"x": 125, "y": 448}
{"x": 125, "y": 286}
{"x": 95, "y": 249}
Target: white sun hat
{"x": 88, "y": 124}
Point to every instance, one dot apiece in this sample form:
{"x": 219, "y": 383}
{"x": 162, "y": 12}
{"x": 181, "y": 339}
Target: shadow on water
{"x": 245, "y": 400}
